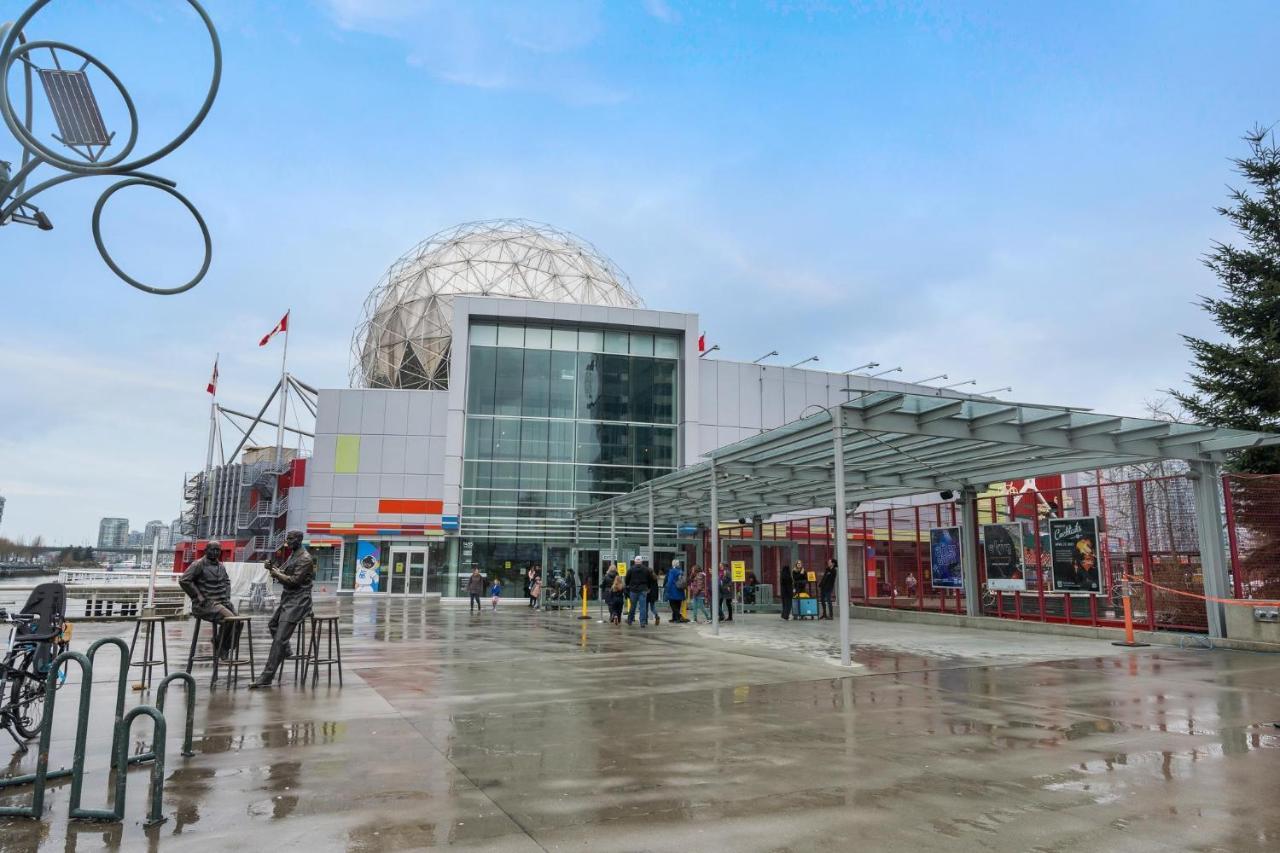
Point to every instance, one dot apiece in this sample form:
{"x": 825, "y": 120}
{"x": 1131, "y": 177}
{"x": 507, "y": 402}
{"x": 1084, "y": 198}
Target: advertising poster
{"x": 1073, "y": 544}
{"x": 944, "y": 558}
{"x": 368, "y": 566}
{"x": 739, "y": 569}
{"x": 1002, "y": 547}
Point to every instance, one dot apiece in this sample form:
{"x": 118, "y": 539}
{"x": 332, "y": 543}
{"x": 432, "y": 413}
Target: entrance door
{"x": 408, "y": 571}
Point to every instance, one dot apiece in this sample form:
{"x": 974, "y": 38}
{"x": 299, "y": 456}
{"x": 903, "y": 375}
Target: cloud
{"x": 662, "y": 10}
{"x": 498, "y": 46}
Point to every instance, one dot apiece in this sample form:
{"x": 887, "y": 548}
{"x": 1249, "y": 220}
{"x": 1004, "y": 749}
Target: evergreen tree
{"x": 1237, "y": 381}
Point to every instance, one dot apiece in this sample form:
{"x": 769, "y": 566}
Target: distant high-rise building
{"x": 175, "y": 532}
{"x": 113, "y": 533}
{"x": 1, "y": 509}
{"x": 152, "y": 531}
{"x": 134, "y": 539}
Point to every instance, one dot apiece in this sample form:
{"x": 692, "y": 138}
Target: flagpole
{"x": 284, "y": 392}
{"x": 208, "y": 459}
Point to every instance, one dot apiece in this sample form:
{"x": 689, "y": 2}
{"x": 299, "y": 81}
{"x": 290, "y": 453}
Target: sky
{"x": 1016, "y": 193}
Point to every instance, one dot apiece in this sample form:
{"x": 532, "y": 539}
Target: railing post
{"x": 1233, "y": 543}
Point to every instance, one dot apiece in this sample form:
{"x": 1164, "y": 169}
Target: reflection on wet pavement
{"x": 526, "y": 731}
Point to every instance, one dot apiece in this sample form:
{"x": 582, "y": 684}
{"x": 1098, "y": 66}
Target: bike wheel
{"x": 26, "y": 698}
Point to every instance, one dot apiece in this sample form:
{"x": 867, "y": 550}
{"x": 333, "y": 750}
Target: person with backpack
{"x": 675, "y": 586}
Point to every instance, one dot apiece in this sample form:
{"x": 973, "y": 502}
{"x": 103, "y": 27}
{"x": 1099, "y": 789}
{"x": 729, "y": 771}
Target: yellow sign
{"x": 739, "y": 568}
{"x": 508, "y": 564}
{"x": 813, "y": 576}
{"x": 622, "y": 569}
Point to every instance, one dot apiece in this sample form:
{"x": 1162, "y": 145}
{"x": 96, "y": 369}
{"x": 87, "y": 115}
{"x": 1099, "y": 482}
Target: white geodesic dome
{"x": 403, "y": 337}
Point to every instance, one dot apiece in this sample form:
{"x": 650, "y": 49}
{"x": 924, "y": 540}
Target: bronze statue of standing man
{"x": 295, "y": 575}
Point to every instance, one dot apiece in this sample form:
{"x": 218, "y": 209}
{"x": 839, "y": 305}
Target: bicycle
{"x": 35, "y": 637}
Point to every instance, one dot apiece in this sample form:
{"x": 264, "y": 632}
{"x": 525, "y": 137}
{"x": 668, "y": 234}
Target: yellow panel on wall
{"x": 346, "y": 458}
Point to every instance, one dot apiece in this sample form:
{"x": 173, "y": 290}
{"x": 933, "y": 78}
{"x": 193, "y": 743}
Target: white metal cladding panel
{"x": 319, "y": 485}
{"x": 393, "y": 449}
{"x": 391, "y": 486}
{"x": 344, "y": 485}
{"x": 370, "y": 453}
{"x": 434, "y": 485}
{"x": 415, "y": 487}
{"x": 367, "y": 485}
{"x": 343, "y": 508}
{"x": 327, "y": 404}
{"x": 795, "y": 396}
{"x": 439, "y": 418}
{"x": 322, "y": 454}
{"x": 421, "y": 407}
{"x": 350, "y": 411}
{"x": 435, "y": 455}
{"x": 366, "y": 505}
{"x": 750, "y": 409}
{"x": 707, "y": 438}
{"x": 397, "y": 417}
{"x": 416, "y": 451}
{"x": 373, "y": 415}
{"x": 774, "y": 404}
{"x": 726, "y": 393}
{"x": 707, "y": 372}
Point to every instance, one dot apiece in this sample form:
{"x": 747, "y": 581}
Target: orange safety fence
{"x": 1239, "y": 602}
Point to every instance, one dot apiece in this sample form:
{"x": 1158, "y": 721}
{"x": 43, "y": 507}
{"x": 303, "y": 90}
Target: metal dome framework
{"x": 405, "y": 331}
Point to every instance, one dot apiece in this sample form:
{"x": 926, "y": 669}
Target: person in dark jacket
{"x": 799, "y": 579}
{"x": 295, "y": 573}
{"x": 475, "y": 588}
{"x": 208, "y": 585}
{"x": 638, "y": 577}
{"x": 786, "y": 589}
{"x": 826, "y": 588}
{"x": 726, "y": 592}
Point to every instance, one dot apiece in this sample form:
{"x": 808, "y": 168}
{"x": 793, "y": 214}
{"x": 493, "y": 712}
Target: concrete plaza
{"x": 536, "y": 731}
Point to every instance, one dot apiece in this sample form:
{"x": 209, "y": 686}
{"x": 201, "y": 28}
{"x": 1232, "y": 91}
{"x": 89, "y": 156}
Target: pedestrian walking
{"x": 616, "y": 596}
{"x": 698, "y": 594}
{"x": 726, "y": 593}
{"x": 475, "y": 588}
{"x": 786, "y": 589}
{"x": 826, "y": 588}
{"x": 675, "y": 586}
{"x": 495, "y": 593}
{"x": 911, "y": 584}
{"x": 638, "y": 577}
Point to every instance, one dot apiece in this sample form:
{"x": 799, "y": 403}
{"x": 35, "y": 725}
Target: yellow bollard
{"x": 584, "y": 603}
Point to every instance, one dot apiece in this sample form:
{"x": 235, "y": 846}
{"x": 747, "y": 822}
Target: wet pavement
{"x": 528, "y": 731}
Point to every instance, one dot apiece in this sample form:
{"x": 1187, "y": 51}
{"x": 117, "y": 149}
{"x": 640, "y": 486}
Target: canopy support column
{"x": 653, "y": 563}
{"x": 969, "y": 550}
{"x": 1204, "y": 482}
{"x": 757, "y": 546}
{"x": 842, "y": 548}
{"x": 613, "y": 534}
{"x": 713, "y": 564}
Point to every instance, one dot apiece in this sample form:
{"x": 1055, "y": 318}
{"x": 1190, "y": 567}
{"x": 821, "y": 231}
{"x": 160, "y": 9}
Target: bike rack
{"x": 43, "y": 774}
{"x": 120, "y": 760}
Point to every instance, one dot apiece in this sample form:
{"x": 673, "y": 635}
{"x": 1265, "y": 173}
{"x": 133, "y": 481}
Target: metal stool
{"x": 239, "y": 626}
{"x": 149, "y": 661}
{"x": 299, "y": 656}
{"x": 334, "y": 656}
{"x": 195, "y": 638}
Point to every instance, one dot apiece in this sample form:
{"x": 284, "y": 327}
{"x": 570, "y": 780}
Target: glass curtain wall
{"x": 558, "y": 418}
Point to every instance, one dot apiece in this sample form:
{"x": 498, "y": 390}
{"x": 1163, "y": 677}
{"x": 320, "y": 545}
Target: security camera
{"x": 742, "y": 521}
{"x": 946, "y": 494}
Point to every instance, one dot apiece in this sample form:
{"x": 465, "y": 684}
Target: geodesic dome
{"x": 403, "y": 338}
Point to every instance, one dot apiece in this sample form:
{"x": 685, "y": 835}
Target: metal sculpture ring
{"x": 15, "y": 197}
{"x": 28, "y": 139}
{"x": 115, "y": 268}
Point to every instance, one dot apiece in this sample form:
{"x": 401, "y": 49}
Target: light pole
{"x": 763, "y": 357}
{"x": 868, "y": 366}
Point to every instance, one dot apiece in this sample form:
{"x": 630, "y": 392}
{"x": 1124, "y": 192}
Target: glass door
{"x": 399, "y": 564}
{"x": 417, "y": 572}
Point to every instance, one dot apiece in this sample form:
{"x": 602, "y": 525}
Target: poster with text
{"x": 1073, "y": 544}
{"x": 1003, "y": 550}
{"x": 368, "y": 566}
{"x": 944, "y": 558}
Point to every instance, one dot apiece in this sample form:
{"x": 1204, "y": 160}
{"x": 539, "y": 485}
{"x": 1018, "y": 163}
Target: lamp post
{"x": 86, "y": 148}
{"x": 868, "y": 366}
{"x": 763, "y": 357}
{"x": 805, "y": 361}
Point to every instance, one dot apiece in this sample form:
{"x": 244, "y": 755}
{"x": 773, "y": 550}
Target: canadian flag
{"x": 282, "y": 326}
{"x": 213, "y": 380}
{"x": 702, "y": 342}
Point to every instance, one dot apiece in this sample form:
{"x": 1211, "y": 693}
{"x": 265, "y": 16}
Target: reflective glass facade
{"x": 560, "y": 417}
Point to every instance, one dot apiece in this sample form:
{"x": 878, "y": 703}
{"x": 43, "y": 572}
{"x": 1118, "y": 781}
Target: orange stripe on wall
{"x": 410, "y": 507}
